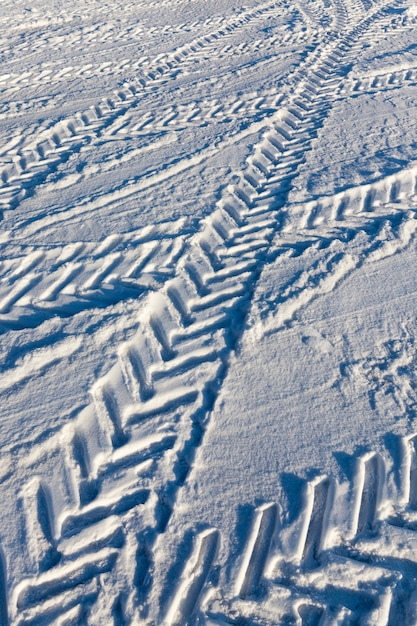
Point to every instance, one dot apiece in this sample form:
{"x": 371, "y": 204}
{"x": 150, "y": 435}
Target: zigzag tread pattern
{"x": 379, "y": 82}
{"x": 65, "y": 279}
{"x": 87, "y": 34}
{"x": 349, "y": 557}
{"x": 27, "y": 165}
{"x": 129, "y": 451}
{"x": 47, "y": 74}
{"x": 390, "y": 196}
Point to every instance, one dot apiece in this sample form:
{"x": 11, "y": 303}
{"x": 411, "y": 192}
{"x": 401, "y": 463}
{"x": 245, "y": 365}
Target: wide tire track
{"x": 47, "y": 73}
{"x": 43, "y": 282}
{"x": 350, "y": 553}
{"x": 131, "y": 449}
{"x": 30, "y": 163}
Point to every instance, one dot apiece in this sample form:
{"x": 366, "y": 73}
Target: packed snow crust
{"x": 208, "y": 312}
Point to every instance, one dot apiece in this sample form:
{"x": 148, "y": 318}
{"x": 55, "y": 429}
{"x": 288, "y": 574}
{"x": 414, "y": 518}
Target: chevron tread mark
{"x": 241, "y": 196}
{"x": 367, "y": 576}
{"x": 197, "y": 114}
{"x": 194, "y": 578}
{"x": 369, "y": 494}
{"x": 69, "y": 278}
{"x": 315, "y": 537}
{"x": 390, "y": 196}
{"x": 186, "y": 308}
{"x": 381, "y": 82}
{"x": 39, "y": 155}
{"x": 255, "y": 559}
{"x": 47, "y": 74}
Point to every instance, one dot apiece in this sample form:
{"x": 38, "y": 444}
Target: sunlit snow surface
{"x": 208, "y": 312}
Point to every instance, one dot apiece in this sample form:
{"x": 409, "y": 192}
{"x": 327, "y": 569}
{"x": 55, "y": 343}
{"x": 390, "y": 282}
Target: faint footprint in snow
{"x": 316, "y": 341}
{"x": 388, "y": 374}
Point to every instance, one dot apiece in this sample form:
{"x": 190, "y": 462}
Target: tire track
{"x": 380, "y": 202}
{"x": 36, "y": 42}
{"x": 31, "y": 162}
{"x": 390, "y": 195}
{"x": 379, "y": 82}
{"x": 259, "y": 545}
{"x": 361, "y": 564}
{"x": 65, "y": 35}
{"x": 376, "y": 220}
{"x": 127, "y": 66}
{"x": 317, "y": 14}
{"x": 193, "y": 581}
{"x": 316, "y": 566}
{"x": 256, "y": 105}
{"x": 230, "y": 24}
{"x": 364, "y": 566}
{"x": 48, "y": 75}
{"x": 45, "y": 73}
{"x": 198, "y": 113}
{"x": 46, "y": 18}
{"x": 163, "y": 387}
{"x": 146, "y": 123}
{"x": 42, "y": 282}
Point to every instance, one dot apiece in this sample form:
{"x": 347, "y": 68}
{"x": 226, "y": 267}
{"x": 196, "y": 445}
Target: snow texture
{"x": 208, "y": 308}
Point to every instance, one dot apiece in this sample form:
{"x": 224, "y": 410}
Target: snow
{"x": 207, "y": 312}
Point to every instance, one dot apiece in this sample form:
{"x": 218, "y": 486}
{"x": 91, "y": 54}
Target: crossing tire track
{"x": 400, "y": 189}
{"x": 29, "y": 165}
{"x": 177, "y": 359}
{"x": 363, "y": 532}
{"x": 48, "y": 74}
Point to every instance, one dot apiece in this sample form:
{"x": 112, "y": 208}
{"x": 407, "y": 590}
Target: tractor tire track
{"x": 65, "y": 35}
{"x": 62, "y": 280}
{"x": 47, "y": 74}
{"x": 307, "y": 568}
{"x": 29, "y": 164}
{"x": 362, "y": 225}
{"x": 50, "y": 73}
{"x": 379, "y": 82}
{"x": 136, "y": 122}
{"x": 391, "y": 195}
{"x": 129, "y": 452}
{"x": 364, "y": 567}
